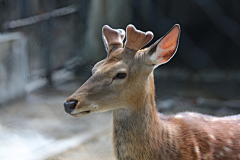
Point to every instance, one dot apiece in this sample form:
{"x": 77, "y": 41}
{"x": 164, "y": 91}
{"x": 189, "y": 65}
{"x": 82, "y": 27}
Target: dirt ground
{"x": 98, "y": 148}
{"x": 37, "y": 127}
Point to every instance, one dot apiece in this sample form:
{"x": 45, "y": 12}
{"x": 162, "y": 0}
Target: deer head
{"x": 124, "y": 79}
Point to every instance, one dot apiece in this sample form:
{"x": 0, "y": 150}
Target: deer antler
{"x": 112, "y": 38}
{"x": 137, "y": 39}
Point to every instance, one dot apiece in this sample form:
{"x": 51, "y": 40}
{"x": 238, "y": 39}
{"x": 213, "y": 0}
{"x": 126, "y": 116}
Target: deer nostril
{"x": 70, "y": 106}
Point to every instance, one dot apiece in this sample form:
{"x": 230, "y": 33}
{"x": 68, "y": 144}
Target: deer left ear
{"x": 164, "y": 49}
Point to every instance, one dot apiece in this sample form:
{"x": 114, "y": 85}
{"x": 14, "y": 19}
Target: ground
{"x": 98, "y": 148}
{"x": 37, "y": 127}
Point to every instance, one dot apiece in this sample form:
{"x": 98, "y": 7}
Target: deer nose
{"x": 70, "y": 106}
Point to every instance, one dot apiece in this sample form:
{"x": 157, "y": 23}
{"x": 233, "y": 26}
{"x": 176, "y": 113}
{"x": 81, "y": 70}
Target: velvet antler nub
{"x": 137, "y": 39}
{"x": 112, "y": 38}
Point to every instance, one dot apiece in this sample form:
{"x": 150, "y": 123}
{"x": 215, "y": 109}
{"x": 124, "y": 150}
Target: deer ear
{"x": 165, "y": 48}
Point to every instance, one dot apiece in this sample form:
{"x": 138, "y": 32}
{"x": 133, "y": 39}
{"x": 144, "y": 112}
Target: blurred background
{"x": 47, "y": 49}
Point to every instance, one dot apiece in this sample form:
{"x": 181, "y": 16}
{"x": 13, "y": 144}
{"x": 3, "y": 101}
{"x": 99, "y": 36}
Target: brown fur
{"x": 140, "y": 132}
{"x": 144, "y": 135}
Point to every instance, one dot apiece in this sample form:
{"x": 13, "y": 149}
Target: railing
{"x": 53, "y": 38}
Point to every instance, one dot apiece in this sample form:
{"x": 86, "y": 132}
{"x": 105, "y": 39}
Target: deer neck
{"x": 133, "y": 127}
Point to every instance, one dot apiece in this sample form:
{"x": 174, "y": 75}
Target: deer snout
{"x": 69, "y": 106}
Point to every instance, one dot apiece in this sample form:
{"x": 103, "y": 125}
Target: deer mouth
{"x": 82, "y": 113}
{"x": 86, "y": 111}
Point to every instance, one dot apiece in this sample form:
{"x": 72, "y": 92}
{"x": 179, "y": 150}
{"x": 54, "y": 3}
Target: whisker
{"x": 100, "y": 120}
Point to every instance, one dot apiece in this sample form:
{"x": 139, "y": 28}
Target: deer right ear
{"x": 164, "y": 49}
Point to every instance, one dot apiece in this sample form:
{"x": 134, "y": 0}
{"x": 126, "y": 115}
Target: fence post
{"x": 25, "y": 8}
{"x": 81, "y": 14}
{"x": 49, "y": 41}
{"x": 2, "y": 11}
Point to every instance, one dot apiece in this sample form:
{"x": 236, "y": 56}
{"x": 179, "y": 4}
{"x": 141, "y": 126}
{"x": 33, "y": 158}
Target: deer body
{"x": 124, "y": 83}
{"x": 196, "y": 137}
{"x": 148, "y": 135}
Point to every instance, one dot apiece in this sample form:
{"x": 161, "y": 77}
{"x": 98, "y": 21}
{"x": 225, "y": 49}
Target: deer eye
{"x": 120, "y": 76}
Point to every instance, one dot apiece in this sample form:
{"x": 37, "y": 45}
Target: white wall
{"x": 13, "y": 66}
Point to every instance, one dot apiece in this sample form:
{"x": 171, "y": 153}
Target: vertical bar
{"x": 80, "y": 21}
{"x": 49, "y": 59}
{"x": 46, "y": 43}
{"x": 1, "y": 15}
{"x": 78, "y": 28}
{"x": 25, "y": 8}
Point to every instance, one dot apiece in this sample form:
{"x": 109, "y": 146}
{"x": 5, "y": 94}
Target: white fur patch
{"x": 212, "y": 136}
{"x": 229, "y": 142}
{"x": 178, "y": 116}
{"x": 221, "y": 153}
{"x": 214, "y": 119}
{"x": 197, "y": 149}
{"x": 193, "y": 114}
{"x": 226, "y": 149}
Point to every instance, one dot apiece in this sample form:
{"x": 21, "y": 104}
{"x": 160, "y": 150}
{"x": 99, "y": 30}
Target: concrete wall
{"x": 13, "y": 66}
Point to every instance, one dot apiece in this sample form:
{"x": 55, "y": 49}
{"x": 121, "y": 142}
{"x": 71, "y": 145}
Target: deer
{"x": 124, "y": 83}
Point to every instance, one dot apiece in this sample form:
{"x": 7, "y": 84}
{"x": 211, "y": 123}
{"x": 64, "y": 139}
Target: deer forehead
{"x": 116, "y": 62}
{"x": 110, "y": 68}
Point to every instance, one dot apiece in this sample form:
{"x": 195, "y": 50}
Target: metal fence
{"x": 53, "y": 30}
